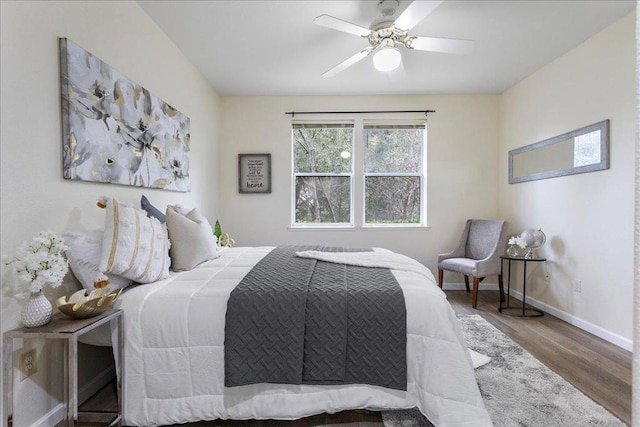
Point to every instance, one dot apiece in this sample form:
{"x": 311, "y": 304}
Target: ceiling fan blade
{"x": 414, "y": 13}
{"x": 340, "y": 25}
{"x": 348, "y": 62}
{"x": 437, "y": 44}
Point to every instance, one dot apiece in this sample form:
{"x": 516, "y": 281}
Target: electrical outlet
{"x": 28, "y": 363}
{"x": 577, "y": 286}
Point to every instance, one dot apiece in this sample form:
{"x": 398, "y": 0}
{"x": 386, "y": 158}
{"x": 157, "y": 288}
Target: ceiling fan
{"x": 385, "y": 34}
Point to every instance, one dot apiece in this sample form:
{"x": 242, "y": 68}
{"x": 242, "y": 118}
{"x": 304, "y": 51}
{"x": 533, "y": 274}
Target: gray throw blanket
{"x": 296, "y": 320}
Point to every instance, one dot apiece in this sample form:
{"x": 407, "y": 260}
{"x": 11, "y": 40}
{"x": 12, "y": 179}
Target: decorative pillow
{"x": 134, "y": 245}
{"x": 152, "y": 211}
{"x": 83, "y": 253}
{"x": 192, "y": 239}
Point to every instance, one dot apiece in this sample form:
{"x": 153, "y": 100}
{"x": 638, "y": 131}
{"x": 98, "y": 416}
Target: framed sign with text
{"x": 254, "y": 173}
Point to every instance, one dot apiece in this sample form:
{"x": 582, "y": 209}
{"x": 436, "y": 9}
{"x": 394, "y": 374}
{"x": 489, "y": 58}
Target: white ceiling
{"x": 273, "y": 47}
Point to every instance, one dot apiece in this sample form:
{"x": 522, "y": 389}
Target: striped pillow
{"x": 134, "y": 246}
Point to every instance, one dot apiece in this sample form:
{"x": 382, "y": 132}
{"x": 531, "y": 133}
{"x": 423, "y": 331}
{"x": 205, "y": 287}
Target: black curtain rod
{"x": 293, "y": 113}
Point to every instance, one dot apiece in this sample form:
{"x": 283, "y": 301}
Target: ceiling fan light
{"x": 387, "y": 59}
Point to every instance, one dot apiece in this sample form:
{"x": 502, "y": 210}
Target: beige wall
{"x": 34, "y": 196}
{"x": 461, "y": 157}
{"x": 588, "y": 218}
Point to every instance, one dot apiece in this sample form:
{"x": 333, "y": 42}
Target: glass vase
{"x": 512, "y": 251}
{"x": 36, "y": 311}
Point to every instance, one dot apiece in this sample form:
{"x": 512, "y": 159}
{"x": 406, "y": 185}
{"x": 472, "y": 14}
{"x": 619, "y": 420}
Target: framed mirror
{"x": 579, "y": 151}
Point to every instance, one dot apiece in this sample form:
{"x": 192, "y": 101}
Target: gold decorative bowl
{"x": 80, "y": 305}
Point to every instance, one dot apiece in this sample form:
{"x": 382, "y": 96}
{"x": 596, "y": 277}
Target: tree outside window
{"x": 393, "y": 163}
{"x": 392, "y": 181}
{"x": 323, "y": 170}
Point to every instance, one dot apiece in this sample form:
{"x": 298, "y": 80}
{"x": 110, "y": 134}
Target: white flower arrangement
{"x": 519, "y": 241}
{"x": 37, "y": 263}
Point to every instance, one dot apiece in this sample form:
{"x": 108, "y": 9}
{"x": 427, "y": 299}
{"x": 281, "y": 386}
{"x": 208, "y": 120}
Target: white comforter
{"x": 174, "y": 369}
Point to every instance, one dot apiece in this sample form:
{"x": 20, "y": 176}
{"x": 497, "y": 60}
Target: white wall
{"x": 462, "y": 170}
{"x": 588, "y": 218}
{"x": 34, "y": 196}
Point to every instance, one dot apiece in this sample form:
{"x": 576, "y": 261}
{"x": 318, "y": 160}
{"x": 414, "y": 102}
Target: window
{"x": 383, "y": 163}
{"x": 323, "y": 172}
{"x": 393, "y": 165}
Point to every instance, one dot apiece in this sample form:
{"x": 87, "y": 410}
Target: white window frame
{"x": 421, "y": 175}
{"x": 357, "y": 211}
{"x": 294, "y": 175}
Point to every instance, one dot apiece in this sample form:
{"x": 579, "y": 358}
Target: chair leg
{"x": 476, "y": 283}
{"x": 501, "y": 286}
{"x": 440, "y": 274}
{"x": 466, "y": 282}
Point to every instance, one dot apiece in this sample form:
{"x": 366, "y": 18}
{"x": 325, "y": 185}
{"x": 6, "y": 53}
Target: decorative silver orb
{"x": 534, "y": 240}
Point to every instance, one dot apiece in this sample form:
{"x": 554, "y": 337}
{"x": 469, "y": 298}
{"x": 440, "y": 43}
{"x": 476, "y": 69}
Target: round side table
{"x": 520, "y": 311}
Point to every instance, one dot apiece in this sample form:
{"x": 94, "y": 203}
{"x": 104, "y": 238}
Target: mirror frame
{"x": 602, "y": 126}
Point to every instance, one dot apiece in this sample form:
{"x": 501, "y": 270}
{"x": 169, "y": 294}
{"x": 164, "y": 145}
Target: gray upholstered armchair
{"x": 477, "y": 254}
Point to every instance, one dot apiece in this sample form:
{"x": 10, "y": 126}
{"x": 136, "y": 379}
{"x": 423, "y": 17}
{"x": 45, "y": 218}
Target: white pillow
{"x": 134, "y": 245}
{"x": 192, "y": 239}
{"x": 83, "y": 253}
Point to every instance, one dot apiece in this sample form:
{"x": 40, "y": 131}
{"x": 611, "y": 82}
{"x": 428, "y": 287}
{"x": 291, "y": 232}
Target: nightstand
{"x": 64, "y": 328}
{"x": 515, "y": 311}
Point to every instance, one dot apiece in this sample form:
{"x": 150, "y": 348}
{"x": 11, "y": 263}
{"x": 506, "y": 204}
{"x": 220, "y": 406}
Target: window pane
{"x": 393, "y": 149}
{"x": 322, "y": 149}
{"x": 324, "y": 199}
{"x": 392, "y": 199}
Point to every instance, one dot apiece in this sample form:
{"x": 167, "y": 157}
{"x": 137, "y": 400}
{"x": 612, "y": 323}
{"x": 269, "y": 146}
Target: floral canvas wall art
{"x": 115, "y": 131}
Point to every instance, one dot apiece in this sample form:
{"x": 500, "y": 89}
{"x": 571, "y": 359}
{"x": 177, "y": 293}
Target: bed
{"x": 174, "y": 347}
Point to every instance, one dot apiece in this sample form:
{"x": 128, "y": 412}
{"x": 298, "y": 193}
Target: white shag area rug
{"x": 518, "y": 390}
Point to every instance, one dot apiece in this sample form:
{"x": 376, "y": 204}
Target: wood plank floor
{"x": 599, "y": 369}
{"x": 596, "y": 367}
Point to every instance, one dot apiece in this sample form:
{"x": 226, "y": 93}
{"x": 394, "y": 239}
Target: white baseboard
{"x": 59, "y": 412}
{"x": 95, "y": 384}
{"x": 596, "y": 330}
{"x": 53, "y": 417}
